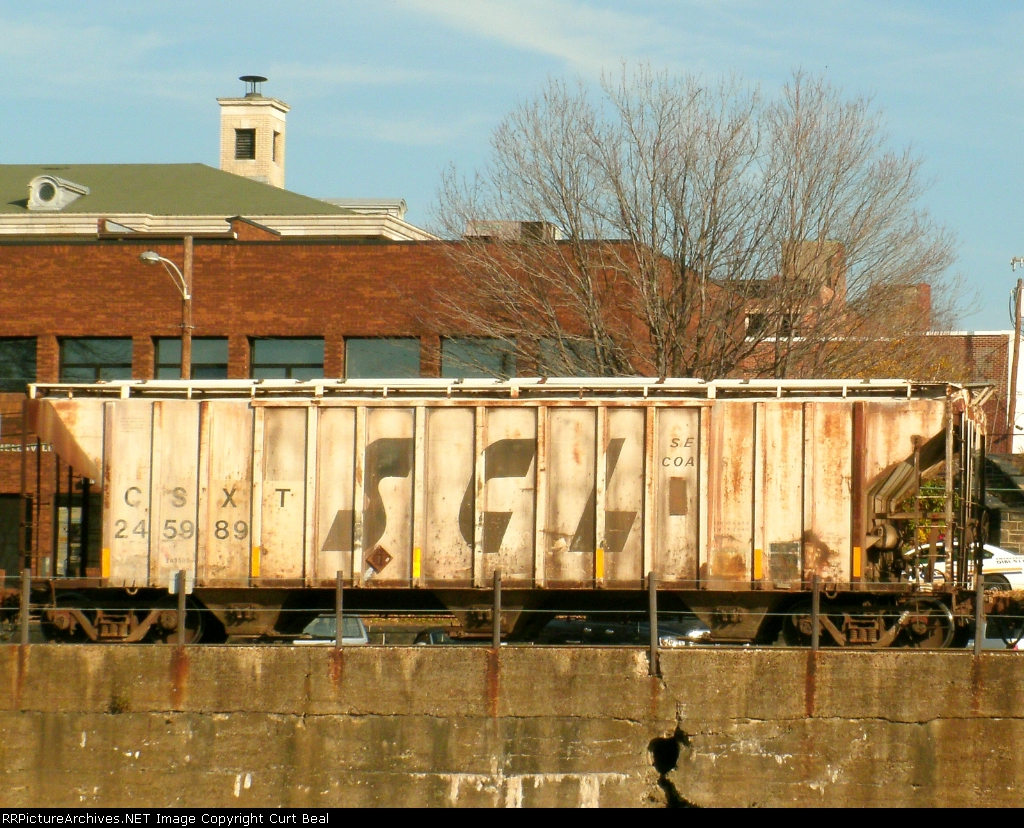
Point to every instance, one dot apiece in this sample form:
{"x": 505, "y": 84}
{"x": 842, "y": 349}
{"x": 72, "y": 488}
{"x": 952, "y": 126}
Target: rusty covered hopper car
{"x": 733, "y": 495}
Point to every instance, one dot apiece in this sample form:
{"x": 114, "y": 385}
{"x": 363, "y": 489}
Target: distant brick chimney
{"x": 252, "y": 134}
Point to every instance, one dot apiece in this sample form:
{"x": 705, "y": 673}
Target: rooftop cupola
{"x": 252, "y": 134}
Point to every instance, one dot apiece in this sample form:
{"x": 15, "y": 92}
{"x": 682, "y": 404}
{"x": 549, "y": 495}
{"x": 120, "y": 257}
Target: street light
{"x": 183, "y": 284}
{"x": 1015, "y": 310}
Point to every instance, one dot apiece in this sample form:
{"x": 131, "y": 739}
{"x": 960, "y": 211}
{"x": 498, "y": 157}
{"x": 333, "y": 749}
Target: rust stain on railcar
{"x": 569, "y": 534}
{"x": 510, "y": 480}
{"x": 624, "y": 497}
{"x": 174, "y": 505}
{"x": 828, "y": 440}
{"x": 284, "y": 494}
{"x": 226, "y": 453}
{"x": 388, "y": 495}
{"x": 676, "y": 458}
{"x": 336, "y": 435}
{"x": 782, "y": 493}
{"x": 732, "y": 497}
{"x": 127, "y": 522}
{"x": 449, "y": 496}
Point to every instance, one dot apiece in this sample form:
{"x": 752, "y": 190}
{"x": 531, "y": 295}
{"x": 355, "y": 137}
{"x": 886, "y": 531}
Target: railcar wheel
{"x": 928, "y": 626}
{"x": 61, "y": 625}
{"x": 796, "y": 626}
{"x": 165, "y": 630}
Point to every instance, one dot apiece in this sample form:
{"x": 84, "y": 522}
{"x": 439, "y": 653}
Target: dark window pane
{"x": 210, "y": 351}
{"x": 209, "y": 358}
{"x": 288, "y": 351}
{"x": 94, "y": 351}
{"x": 270, "y": 372}
{"x": 168, "y": 351}
{"x": 477, "y": 357}
{"x": 382, "y": 358}
{"x": 209, "y": 372}
{"x": 115, "y": 372}
{"x": 301, "y": 372}
{"x": 566, "y": 358}
{"x": 90, "y": 359}
{"x": 245, "y": 144}
{"x": 287, "y": 358}
{"x": 17, "y": 363}
{"x": 75, "y": 373}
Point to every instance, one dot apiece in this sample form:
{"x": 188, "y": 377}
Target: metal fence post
{"x": 180, "y": 577}
{"x": 815, "y": 612}
{"x": 339, "y": 601}
{"x": 979, "y": 613}
{"x": 652, "y": 602}
{"x": 496, "y": 616}
{"x": 26, "y": 594}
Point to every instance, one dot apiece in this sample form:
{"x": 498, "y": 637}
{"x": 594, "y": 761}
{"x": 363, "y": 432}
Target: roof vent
{"x": 253, "y": 85}
{"x": 47, "y": 192}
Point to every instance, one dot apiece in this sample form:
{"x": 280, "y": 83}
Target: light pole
{"x": 1015, "y": 262}
{"x": 183, "y": 282}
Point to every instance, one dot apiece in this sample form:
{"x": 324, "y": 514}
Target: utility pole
{"x": 186, "y": 315}
{"x": 1018, "y": 291}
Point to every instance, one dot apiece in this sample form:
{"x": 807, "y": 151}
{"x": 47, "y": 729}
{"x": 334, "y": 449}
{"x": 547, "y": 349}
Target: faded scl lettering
{"x": 502, "y": 458}
{"x": 178, "y": 497}
{"x": 133, "y": 496}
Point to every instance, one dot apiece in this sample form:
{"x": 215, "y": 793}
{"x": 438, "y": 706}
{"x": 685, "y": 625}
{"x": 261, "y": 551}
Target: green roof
{"x": 159, "y": 190}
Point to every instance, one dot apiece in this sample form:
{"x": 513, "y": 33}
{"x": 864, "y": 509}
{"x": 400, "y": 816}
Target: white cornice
{"x": 324, "y": 226}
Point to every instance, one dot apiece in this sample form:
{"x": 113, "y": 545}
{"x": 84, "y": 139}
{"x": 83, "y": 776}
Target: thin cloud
{"x": 586, "y": 37}
{"x": 412, "y": 131}
{"x": 363, "y": 75}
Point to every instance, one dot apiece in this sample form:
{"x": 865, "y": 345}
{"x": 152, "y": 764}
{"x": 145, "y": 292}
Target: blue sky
{"x": 384, "y": 94}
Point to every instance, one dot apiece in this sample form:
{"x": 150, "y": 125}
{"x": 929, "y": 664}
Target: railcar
{"x": 733, "y": 496}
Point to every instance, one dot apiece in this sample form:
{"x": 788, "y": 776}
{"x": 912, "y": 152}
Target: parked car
{"x": 324, "y": 629}
{"x": 1001, "y": 569}
{"x": 681, "y": 631}
{"x": 1001, "y": 634}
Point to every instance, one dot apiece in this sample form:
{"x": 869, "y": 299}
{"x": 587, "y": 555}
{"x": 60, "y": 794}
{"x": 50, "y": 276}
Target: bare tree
{"x": 669, "y": 226}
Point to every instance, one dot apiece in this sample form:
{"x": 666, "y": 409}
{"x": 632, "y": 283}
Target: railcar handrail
{"x": 524, "y": 387}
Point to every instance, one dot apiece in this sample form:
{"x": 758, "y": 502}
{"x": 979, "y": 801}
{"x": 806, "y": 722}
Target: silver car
{"x": 323, "y": 630}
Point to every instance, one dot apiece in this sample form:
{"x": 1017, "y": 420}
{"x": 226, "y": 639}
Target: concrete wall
{"x": 151, "y": 725}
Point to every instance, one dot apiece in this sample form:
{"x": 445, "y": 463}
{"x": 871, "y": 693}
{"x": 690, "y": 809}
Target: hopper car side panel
{"x": 725, "y": 495}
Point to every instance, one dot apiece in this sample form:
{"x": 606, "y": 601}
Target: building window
{"x": 17, "y": 363}
{"x": 91, "y": 359}
{"x": 245, "y": 144}
{"x": 477, "y": 357}
{"x": 760, "y": 325}
{"x": 300, "y": 359}
{"x": 209, "y": 358}
{"x": 382, "y": 358}
{"x": 566, "y": 358}
{"x": 276, "y": 147}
